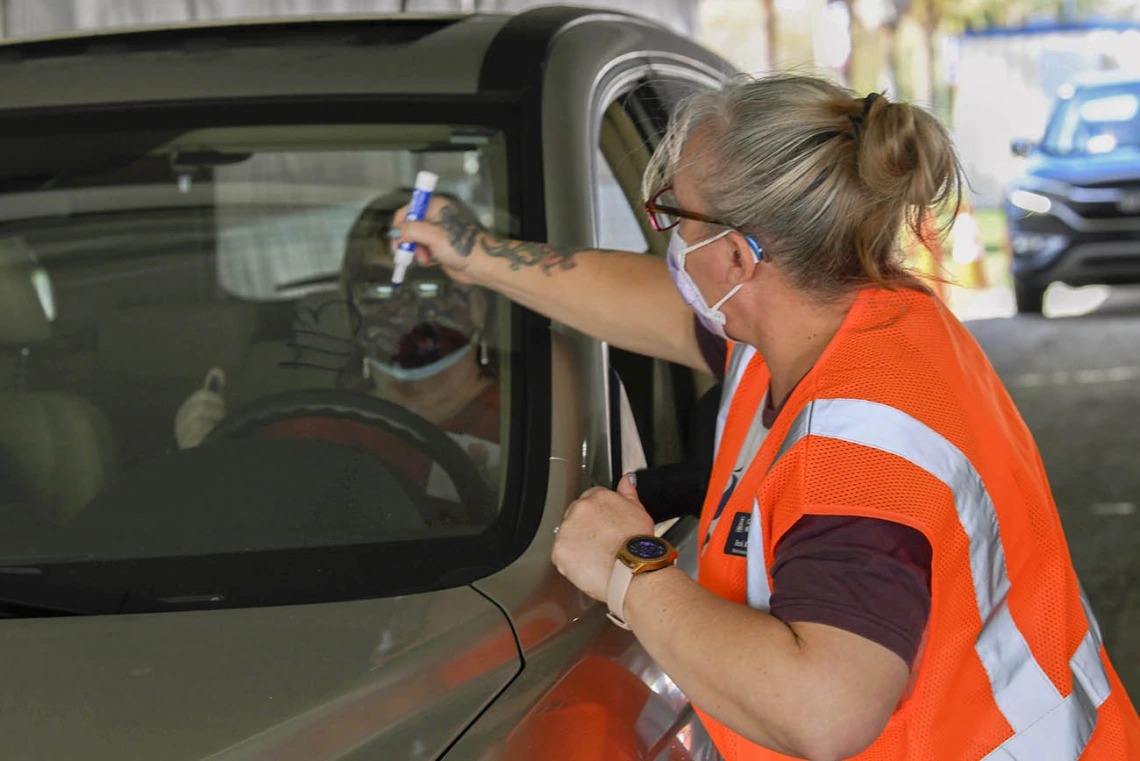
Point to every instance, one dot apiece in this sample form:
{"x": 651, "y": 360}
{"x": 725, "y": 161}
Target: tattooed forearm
{"x": 462, "y": 231}
{"x": 522, "y": 254}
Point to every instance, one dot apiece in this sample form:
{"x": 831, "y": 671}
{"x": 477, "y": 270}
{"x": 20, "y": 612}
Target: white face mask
{"x": 419, "y": 373}
{"x": 710, "y": 316}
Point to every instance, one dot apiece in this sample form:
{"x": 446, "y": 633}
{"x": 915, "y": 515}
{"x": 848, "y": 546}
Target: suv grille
{"x": 1127, "y": 203}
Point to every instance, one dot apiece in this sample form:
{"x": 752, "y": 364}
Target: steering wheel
{"x": 476, "y": 494}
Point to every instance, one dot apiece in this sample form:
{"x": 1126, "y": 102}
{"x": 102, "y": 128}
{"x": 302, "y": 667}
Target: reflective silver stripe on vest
{"x": 738, "y": 360}
{"x": 1067, "y": 728}
{"x": 1044, "y": 723}
{"x": 753, "y": 440}
{"x": 759, "y": 593}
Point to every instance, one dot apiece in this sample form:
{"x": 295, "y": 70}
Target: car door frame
{"x": 653, "y": 382}
{"x": 631, "y": 49}
{"x": 583, "y": 58}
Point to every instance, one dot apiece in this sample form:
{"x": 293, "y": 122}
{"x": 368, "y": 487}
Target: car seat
{"x": 57, "y": 448}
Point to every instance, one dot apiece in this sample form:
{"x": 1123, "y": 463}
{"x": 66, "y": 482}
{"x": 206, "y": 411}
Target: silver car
{"x": 228, "y": 528}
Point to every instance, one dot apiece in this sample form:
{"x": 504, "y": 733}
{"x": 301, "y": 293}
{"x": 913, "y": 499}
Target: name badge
{"x": 737, "y": 543}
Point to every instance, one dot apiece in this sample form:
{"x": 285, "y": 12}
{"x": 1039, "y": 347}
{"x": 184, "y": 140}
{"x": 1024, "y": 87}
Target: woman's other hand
{"x": 593, "y": 530}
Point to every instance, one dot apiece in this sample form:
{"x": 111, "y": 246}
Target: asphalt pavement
{"x": 1076, "y": 381}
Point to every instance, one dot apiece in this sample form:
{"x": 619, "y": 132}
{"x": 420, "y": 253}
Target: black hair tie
{"x": 857, "y": 121}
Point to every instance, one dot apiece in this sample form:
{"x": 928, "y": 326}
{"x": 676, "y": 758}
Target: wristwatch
{"x": 639, "y": 554}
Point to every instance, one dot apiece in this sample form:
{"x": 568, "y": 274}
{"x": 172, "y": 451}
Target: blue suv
{"x": 1074, "y": 214}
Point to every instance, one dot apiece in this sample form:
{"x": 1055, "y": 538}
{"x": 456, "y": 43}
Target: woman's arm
{"x": 804, "y": 689}
{"x": 623, "y": 298}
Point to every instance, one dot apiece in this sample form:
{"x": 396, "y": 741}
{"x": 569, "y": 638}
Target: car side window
{"x": 617, "y": 226}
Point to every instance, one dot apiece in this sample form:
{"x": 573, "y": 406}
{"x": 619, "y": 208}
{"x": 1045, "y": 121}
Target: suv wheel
{"x": 1029, "y": 299}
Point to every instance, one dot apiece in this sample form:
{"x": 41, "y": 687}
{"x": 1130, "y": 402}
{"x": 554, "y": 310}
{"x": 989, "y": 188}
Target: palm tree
{"x": 859, "y": 36}
{"x": 771, "y": 30}
{"x": 897, "y": 10}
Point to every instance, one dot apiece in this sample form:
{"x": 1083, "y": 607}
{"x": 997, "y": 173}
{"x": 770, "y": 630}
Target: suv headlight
{"x": 1030, "y": 201}
{"x": 1027, "y": 244}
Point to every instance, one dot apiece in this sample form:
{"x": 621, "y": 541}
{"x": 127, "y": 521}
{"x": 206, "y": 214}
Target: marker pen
{"x": 421, "y": 196}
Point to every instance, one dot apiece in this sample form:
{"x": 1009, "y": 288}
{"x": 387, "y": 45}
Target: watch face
{"x": 646, "y": 548}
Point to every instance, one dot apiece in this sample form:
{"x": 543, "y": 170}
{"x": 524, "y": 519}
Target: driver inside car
{"x": 422, "y": 345}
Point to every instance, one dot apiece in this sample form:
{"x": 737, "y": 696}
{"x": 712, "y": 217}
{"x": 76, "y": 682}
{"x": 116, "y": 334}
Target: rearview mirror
{"x": 206, "y": 159}
{"x": 1020, "y": 147}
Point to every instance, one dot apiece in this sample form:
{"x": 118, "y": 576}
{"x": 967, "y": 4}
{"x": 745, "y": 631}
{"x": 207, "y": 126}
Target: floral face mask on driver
{"x": 416, "y": 331}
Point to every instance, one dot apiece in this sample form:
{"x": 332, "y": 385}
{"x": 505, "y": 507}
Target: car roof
{"x": 372, "y": 55}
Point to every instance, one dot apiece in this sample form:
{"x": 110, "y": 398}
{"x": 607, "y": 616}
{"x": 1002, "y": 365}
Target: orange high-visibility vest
{"x": 904, "y": 419}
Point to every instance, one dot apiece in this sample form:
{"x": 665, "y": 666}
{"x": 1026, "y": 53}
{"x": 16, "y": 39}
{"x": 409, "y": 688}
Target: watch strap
{"x": 620, "y": 578}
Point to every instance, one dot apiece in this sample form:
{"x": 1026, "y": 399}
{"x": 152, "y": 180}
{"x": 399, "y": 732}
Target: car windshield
{"x": 1097, "y": 120}
{"x": 201, "y": 353}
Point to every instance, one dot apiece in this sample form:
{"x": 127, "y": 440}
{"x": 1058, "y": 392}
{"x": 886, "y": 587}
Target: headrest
{"x": 26, "y": 305}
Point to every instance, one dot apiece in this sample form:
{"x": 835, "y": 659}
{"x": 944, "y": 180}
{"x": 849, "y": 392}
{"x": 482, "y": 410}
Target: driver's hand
{"x": 201, "y": 412}
{"x": 449, "y": 236}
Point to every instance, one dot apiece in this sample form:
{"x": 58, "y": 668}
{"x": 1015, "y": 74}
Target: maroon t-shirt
{"x": 868, "y": 576}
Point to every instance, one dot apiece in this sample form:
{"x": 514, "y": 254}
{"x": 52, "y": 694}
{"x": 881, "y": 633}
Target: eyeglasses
{"x": 386, "y": 292}
{"x": 373, "y": 285}
{"x": 664, "y": 214}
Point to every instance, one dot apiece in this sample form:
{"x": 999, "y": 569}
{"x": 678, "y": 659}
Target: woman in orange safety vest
{"x": 883, "y": 572}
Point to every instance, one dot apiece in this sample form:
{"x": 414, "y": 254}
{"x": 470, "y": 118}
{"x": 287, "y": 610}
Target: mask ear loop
{"x": 705, "y": 242}
{"x": 732, "y": 292}
{"x": 758, "y": 252}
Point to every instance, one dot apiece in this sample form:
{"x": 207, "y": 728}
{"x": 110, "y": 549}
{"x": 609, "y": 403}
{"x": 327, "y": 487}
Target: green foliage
{"x": 957, "y": 15}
